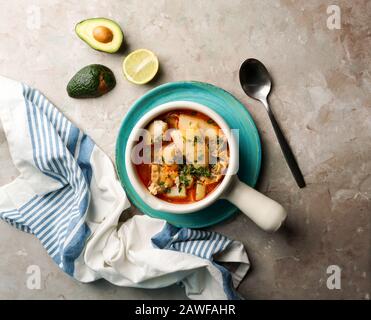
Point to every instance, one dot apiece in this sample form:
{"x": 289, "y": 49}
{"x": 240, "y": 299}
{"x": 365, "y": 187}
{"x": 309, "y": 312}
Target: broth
{"x": 191, "y": 160}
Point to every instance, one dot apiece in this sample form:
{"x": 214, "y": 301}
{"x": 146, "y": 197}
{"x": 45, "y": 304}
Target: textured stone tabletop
{"x": 322, "y": 99}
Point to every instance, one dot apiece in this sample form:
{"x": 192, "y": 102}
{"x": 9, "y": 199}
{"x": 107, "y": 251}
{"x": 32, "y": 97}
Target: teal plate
{"x": 229, "y": 108}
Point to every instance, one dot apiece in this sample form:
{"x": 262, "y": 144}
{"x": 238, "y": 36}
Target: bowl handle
{"x": 265, "y": 212}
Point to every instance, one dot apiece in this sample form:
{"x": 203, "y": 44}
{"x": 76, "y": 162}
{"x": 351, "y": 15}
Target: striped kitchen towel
{"x": 68, "y": 196}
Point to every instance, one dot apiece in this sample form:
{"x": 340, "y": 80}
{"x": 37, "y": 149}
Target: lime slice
{"x": 140, "y": 66}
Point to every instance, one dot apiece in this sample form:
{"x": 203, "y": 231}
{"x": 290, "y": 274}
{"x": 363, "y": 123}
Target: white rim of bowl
{"x": 162, "y": 205}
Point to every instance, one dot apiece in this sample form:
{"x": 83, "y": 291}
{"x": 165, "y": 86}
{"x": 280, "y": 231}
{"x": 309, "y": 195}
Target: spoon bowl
{"x": 255, "y": 79}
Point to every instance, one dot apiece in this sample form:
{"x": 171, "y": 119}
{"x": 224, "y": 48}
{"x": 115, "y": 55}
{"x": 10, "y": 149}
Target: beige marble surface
{"x": 321, "y": 98}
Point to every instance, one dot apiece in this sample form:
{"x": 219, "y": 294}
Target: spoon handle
{"x": 289, "y": 156}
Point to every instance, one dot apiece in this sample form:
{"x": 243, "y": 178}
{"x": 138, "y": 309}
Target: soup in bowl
{"x": 182, "y": 156}
{"x": 188, "y": 156}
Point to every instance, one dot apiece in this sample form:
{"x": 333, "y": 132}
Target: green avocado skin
{"x": 86, "y": 82}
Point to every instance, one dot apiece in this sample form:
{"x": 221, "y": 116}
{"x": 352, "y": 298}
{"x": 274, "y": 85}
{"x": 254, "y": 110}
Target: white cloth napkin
{"x": 68, "y": 196}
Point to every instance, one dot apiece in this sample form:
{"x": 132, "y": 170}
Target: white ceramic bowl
{"x": 265, "y": 212}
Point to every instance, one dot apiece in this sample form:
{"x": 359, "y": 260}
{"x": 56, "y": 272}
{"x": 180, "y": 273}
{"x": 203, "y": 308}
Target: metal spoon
{"x": 256, "y": 83}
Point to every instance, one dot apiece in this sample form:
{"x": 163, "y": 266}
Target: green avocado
{"x": 101, "y": 34}
{"x": 91, "y": 81}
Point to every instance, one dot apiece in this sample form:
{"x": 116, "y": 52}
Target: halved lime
{"x": 140, "y": 66}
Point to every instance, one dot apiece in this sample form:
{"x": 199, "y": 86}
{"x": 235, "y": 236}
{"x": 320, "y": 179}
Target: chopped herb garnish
{"x": 210, "y": 121}
{"x": 184, "y": 180}
{"x": 193, "y": 171}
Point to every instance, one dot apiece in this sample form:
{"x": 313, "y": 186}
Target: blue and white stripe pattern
{"x": 62, "y": 152}
{"x": 204, "y": 244}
